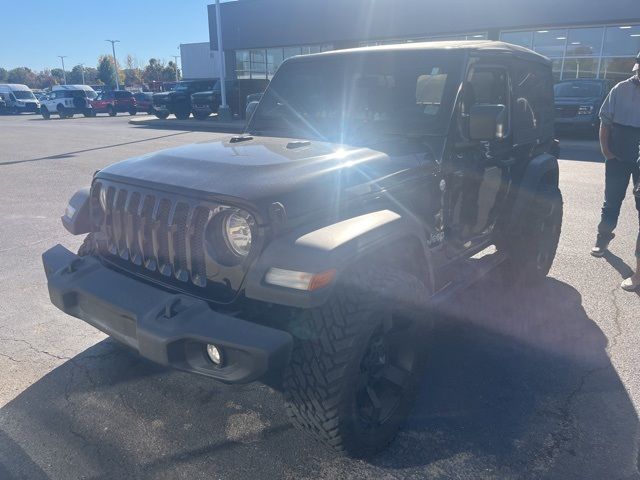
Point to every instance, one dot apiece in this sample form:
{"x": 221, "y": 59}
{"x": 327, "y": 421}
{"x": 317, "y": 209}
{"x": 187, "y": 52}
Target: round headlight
{"x": 237, "y": 233}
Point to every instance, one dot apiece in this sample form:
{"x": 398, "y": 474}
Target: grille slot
{"x": 157, "y": 234}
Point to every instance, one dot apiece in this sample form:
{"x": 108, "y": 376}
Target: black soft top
{"x": 470, "y": 46}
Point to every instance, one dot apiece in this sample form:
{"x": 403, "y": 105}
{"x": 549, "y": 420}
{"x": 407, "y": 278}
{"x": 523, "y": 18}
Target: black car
{"x": 578, "y": 104}
{"x": 204, "y": 104}
{"x": 311, "y": 252}
{"x": 178, "y": 100}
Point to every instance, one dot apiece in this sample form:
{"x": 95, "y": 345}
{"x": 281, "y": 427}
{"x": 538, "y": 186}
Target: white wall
{"x": 198, "y": 61}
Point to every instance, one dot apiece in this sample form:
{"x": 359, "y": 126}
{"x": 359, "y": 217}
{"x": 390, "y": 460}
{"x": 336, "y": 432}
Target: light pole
{"x": 115, "y": 63}
{"x": 175, "y": 64}
{"x": 64, "y": 74}
{"x": 224, "y": 113}
{"x": 82, "y": 71}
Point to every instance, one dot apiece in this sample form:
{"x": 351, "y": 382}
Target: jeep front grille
{"x": 158, "y": 234}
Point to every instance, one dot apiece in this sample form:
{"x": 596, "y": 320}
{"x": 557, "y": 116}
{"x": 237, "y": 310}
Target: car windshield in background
{"x": 24, "y": 95}
{"x": 347, "y": 97}
{"x": 578, "y": 89}
{"x": 181, "y": 87}
{"x": 91, "y": 95}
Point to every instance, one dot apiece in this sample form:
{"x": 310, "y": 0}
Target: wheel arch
{"x": 383, "y": 238}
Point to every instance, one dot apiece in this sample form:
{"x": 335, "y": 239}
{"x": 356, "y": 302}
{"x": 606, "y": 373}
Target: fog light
{"x": 214, "y": 354}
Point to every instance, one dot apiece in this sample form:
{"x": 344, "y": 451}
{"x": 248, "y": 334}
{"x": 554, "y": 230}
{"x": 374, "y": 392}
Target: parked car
{"x": 114, "y": 102}
{"x": 3, "y": 105}
{"x": 313, "y": 252}
{"x": 178, "y": 100}
{"x": 144, "y": 101}
{"x": 578, "y": 103}
{"x": 205, "y": 103}
{"x": 19, "y": 98}
{"x": 68, "y": 100}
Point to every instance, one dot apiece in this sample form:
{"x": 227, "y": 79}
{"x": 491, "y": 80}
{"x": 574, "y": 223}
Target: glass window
{"x": 550, "y": 43}
{"x": 580, "y": 68}
{"x": 557, "y": 69}
{"x": 243, "y": 64}
{"x": 616, "y": 69}
{"x": 326, "y": 47}
{"x": 258, "y": 64}
{"x": 621, "y": 41}
{"x": 274, "y": 59}
{"x": 524, "y": 39}
{"x": 314, "y": 49}
{"x": 584, "y": 41}
{"x": 345, "y": 99}
{"x": 477, "y": 36}
{"x": 292, "y": 52}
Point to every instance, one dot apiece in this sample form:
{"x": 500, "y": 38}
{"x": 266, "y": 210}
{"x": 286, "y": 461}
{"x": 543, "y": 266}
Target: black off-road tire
{"x": 532, "y": 244}
{"x": 323, "y": 384}
{"x": 161, "y": 115}
{"x": 44, "y": 111}
{"x": 111, "y": 110}
{"x": 183, "y": 114}
{"x": 88, "y": 246}
{"x": 133, "y": 111}
{"x": 201, "y": 115}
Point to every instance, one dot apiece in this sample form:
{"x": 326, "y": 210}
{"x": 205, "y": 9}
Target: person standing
{"x": 620, "y": 144}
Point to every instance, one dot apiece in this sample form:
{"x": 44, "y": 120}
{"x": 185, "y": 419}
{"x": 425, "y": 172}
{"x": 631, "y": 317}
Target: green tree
{"x": 74, "y": 77}
{"x": 153, "y": 71}
{"x": 44, "y": 79}
{"x": 105, "y": 71}
{"x": 169, "y": 72}
{"x": 21, "y": 75}
{"x": 58, "y": 75}
{"x": 4, "y": 74}
{"x": 90, "y": 75}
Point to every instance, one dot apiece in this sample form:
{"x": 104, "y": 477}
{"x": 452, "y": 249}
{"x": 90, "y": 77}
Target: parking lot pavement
{"x": 535, "y": 383}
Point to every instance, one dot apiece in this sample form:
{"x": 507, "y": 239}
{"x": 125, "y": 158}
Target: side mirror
{"x": 251, "y": 108}
{"x": 487, "y": 122}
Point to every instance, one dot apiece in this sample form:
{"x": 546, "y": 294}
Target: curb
{"x": 210, "y": 125}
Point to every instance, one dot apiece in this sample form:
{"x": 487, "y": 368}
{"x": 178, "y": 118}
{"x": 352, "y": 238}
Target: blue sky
{"x": 33, "y": 33}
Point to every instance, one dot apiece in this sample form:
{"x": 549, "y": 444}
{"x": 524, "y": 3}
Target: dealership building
{"x": 583, "y": 38}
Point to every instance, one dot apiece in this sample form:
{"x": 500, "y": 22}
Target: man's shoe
{"x": 602, "y": 245}
{"x": 631, "y": 285}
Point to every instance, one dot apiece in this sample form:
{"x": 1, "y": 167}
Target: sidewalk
{"x": 209, "y": 125}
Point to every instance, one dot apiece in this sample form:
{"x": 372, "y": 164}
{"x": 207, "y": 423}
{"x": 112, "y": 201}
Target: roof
{"x": 14, "y": 86}
{"x": 484, "y": 46}
{"x": 71, "y": 87}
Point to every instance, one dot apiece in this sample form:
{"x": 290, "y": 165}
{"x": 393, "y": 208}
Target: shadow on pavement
{"x": 61, "y": 156}
{"x": 519, "y": 385}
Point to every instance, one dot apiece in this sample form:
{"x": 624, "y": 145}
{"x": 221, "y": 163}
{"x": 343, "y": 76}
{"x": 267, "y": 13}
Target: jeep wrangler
{"x": 178, "y": 100}
{"x": 312, "y": 252}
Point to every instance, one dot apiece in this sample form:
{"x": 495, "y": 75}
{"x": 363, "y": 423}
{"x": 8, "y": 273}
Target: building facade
{"x": 198, "y": 61}
{"x": 583, "y": 38}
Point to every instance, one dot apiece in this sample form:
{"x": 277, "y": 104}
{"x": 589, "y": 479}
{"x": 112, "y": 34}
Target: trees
{"x": 4, "y": 74}
{"x": 153, "y": 71}
{"x": 58, "y": 75}
{"x": 105, "y": 71}
{"x": 21, "y": 75}
{"x": 75, "y": 77}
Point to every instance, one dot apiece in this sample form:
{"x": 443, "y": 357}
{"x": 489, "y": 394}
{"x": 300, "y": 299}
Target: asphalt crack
{"x": 31, "y": 347}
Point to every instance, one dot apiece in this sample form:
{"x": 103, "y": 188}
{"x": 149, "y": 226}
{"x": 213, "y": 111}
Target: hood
{"x": 301, "y": 175}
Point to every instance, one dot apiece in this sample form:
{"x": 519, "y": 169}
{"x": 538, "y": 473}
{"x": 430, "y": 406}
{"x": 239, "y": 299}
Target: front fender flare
{"x": 336, "y": 246}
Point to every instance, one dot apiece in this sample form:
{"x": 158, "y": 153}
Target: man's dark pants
{"x": 618, "y": 173}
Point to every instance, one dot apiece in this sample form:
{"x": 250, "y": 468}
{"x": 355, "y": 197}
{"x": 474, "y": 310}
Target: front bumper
{"x": 166, "y": 328}
{"x": 579, "y": 121}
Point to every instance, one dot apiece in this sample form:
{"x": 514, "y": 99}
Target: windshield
{"x": 91, "y": 95}
{"x": 181, "y": 87}
{"x": 578, "y": 89}
{"x": 340, "y": 98}
{"x": 23, "y": 95}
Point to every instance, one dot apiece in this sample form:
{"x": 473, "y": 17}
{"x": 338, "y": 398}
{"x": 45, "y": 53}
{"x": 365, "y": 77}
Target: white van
{"x": 19, "y": 98}
{"x": 67, "y": 100}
